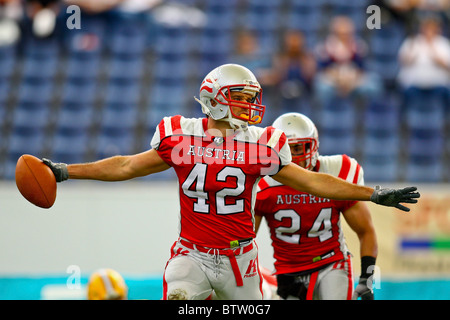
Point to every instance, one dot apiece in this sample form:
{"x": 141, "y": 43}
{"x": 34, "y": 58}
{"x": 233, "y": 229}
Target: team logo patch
{"x": 252, "y": 269}
{"x": 218, "y": 140}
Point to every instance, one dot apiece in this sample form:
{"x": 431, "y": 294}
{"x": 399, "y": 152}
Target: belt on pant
{"x": 230, "y": 253}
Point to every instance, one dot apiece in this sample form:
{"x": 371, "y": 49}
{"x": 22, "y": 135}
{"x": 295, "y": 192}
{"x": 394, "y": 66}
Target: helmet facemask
{"x": 309, "y": 153}
{"x": 254, "y": 109}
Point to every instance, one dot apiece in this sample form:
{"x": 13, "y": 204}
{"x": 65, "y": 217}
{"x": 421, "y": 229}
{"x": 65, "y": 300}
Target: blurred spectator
{"x": 99, "y": 6}
{"x": 293, "y": 71}
{"x": 248, "y": 53}
{"x": 96, "y": 6}
{"x": 43, "y": 15}
{"x": 407, "y": 12}
{"x": 10, "y": 15}
{"x": 425, "y": 58}
{"x": 342, "y": 71}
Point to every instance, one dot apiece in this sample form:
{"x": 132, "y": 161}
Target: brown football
{"x": 35, "y": 181}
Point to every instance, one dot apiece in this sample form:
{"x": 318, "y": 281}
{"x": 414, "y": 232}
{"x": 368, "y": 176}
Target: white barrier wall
{"x": 130, "y": 226}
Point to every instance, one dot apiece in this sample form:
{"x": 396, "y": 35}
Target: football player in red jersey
{"x": 311, "y": 257}
{"x": 219, "y": 161}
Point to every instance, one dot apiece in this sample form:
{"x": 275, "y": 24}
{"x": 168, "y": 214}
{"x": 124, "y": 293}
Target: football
{"x": 35, "y": 181}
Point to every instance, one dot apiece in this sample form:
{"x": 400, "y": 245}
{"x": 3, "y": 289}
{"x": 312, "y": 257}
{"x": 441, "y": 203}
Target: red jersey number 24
{"x": 321, "y": 227}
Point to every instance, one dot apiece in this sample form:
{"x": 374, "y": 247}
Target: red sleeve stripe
{"x": 273, "y": 138}
{"x": 355, "y": 178}
{"x": 266, "y": 135}
{"x": 176, "y": 125}
{"x": 343, "y": 174}
{"x": 162, "y": 130}
{"x": 263, "y": 184}
{"x": 169, "y": 126}
{"x": 281, "y": 142}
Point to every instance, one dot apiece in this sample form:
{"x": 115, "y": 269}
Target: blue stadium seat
{"x": 69, "y": 147}
{"x": 425, "y": 109}
{"x": 172, "y": 95}
{"x": 382, "y": 117}
{"x": 381, "y": 144}
{"x": 128, "y": 43}
{"x": 117, "y": 121}
{"x": 89, "y": 41}
{"x": 108, "y": 145}
{"x": 304, "y": 15}
{"x": 387, "y": 69}
{"x": 220, "y": 20}
{"x": 173, "y": 41}
{"x": 7, "y": 62}
{"x": 39, "y": 70}
{"x": 225, "y": 6}
{"x": 40, "y": 93}
{"x": 337, "y": 142}
{"x": 430, "y": 142}
{"x": 431, "y": 119}
{"x": 338, "y": 114}
{"x": 262, "y": 20}
{"x": 428, "y": 169}
{"x": 5, "y": 92}
{"x": 215, "y": 44}
{"x": 122, "y": 94}
{"x": 26, "y": 142}
{"x": 79, "y": 93}
{"x": 83, "y": 69}
{"x": 380, "y": 168}
{"x": 75, "y": 117}
{"x": 41, "y": 48}
{"x": 171, "y": 71}
{"x": 126, "y": 70}
{"x": 25, "y": 118}
{"x": 383, "y": 47}
{"x": 156, "y": 112}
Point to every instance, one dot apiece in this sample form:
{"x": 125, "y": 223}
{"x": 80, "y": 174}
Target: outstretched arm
{"x": 327, "y": 186}
{"x": 117, "y": 168}
{"x": 321, "y": 184}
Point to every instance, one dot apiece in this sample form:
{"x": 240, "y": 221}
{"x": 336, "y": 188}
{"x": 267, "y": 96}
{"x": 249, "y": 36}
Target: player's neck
{"x": 219, "y": 128}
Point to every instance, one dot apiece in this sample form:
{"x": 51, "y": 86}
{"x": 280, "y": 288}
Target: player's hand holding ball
{"x": 58, "y": 169}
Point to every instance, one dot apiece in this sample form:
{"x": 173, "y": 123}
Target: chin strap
{"x": 236, "y": 124}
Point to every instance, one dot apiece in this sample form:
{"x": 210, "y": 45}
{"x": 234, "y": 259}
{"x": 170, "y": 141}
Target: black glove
{"x": 59, "y": 170}
{"x": 363, "y": 290}
{"x": 393, "y": 197}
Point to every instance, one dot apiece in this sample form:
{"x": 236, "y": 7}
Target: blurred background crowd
{"x": 81, "y": 87}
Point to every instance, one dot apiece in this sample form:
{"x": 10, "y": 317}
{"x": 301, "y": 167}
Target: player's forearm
{"x": 368, "y": 245}
{"x": 321, "y": 184}
{"x": 109, "y": 169}
{"x": 330, "y": 187}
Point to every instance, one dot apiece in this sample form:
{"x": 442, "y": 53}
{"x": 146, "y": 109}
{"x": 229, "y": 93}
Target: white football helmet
{"x": 217, "y": 86}
{"x": 299, "y": 129}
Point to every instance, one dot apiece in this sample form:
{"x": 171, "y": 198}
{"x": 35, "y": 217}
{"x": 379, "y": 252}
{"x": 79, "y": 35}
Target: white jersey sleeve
{"x": 342, "y": 166}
